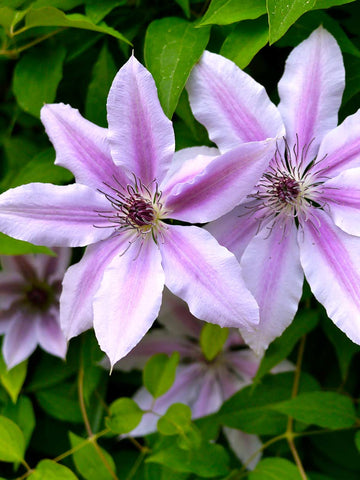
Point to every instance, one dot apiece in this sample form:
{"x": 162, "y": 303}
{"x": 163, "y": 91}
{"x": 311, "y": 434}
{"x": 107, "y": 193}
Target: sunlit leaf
{"x": 12, "y": 380}
{"x": 212, "y": 339}
{"x": 12, "y": 442}
{"x": 50, "y": 470}
{"x": 125, "y": 415}
{"x": 275, "y": 468}
{"x": 223, "y": 12}
{"x": 159, "y": 373}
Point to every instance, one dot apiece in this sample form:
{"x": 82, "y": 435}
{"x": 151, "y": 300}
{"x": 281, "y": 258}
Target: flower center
{"x": 134, "y": 207}
{"x": 39, "y": 296}
{"x": 287, "y": 189}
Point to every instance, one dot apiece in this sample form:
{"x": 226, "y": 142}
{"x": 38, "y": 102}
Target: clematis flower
{"x": 129, "y": 190}
{"x": 30, "y": 287}
{"x": 303, "y": 215}
{"x": 201, "y": 384}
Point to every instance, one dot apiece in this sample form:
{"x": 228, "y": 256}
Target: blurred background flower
{"x": 30, "y": 287}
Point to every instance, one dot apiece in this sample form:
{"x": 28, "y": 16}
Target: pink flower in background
{"x": 201, "y": 384}
{"x": 30, "y": 287}
{"x": 129, "y": 188}
{"x": 303, "y": 216}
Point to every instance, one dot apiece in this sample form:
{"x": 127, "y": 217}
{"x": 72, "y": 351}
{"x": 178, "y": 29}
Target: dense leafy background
{"x": 62, "y": 420}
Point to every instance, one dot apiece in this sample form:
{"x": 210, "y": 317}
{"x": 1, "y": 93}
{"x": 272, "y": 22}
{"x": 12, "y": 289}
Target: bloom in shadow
{"x": 200, "y": 383}
{"x": 129, "y": 203}
{"x": 303, "y": 216}
{"x": 30, "y": 287}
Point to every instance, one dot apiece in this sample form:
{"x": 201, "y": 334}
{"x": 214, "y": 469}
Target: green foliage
{"x": 12, "y": 442}
{"x": 12, "y": 380}
{"x": 50, "y": 470}
{"x": 37, "y": 76}
{"x": 324, "y": 409}
{"x": 223, "y": 12}
{"x": 212, "y": 339}
{"x": 176, "y": 420}
{"x": 22, "y": 413}
{"x": 159, "y": 373}
{"x": 91, "y": 461}
{"x": 125, "y": 415}
{"x": 275, "y": 468}
{"x": 172, "y": 47}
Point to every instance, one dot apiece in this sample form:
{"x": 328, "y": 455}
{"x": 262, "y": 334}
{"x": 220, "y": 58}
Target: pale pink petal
{"x": 22, "y": 265}
{"x": 186, "y": 164}
{"x": 310, "y": 91}
{"x": 141, "y": 136}
{"x": 53, "y": 268}
{"x": 156, "y": 341}
{"x": 209, "y": 398}
{"x": 184, "y": 390}
{"x": 342, "y": 197}
{"x": 233, "y": 107}
{"x": 244, "y": 446}
{"x": 208, "y": 277}
{"x": 174, "y": 315}
{"x": 81, "y": 146}
{"x": 222, "y": 185}
{"x": 135, "y": 281}
{"x": 244, "y": 364}
{"x": 272, "y": 272}
{"x": 230, "y": 379}
{"x": 49, "y": 334}
{"x": 21, "y": 339}
{"x": 331, "y": 262}
{"x": 81, "y": 282}
{"x": 6, "y": 317}
{"x": 11, "y": 288}
{"x": 235, "y": 229}
{"x": 53, "y": 215}
{"x": 340, "y": 148}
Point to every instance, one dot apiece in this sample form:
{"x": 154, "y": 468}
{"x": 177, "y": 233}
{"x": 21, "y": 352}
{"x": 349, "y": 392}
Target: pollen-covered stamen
{"x": 133, "y": 206}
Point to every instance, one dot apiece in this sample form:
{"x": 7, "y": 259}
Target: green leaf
{"x": 12, "y": 442}
{"x": 210, "y": 460}
{"x": 51, "y": 371}
{"x": 96, "y": 10}
{"x": 275, "y": 469}
{"x": 172, "y": 47}
{"x": 283, "y": 13}
{"x": 330, "y": 3}
{"x": 212, "y": 339}
{"x": 357, "y": 440}
{"x": 224, "y": 12}
{"x": 303, "y": 323}
{"x": 61, "y": 401}
{"x": 12, "y": 380}
{"x": 37, "y": 76}
{"x": 10, "y": 246}
{"x": 103, "y": 74}
{"x": 22, "y": 413}
{"x": 325, "y": 409}
{"x": 185, "y": 5}
{"x": 89, "y": 462}
{"x": 345, "y": 349}
{"x": 244, "y": 42}
{"x": 50, "y": 470}
{"x": 250, "y": 409}
{"x": 159, "y": 373}
{"x": 52, "y": 17}
{"x": 176, "y": 420}
{"x": 125, "y": 415}
{"x": 62, "y": 4}
{"x": 40, "y": 168}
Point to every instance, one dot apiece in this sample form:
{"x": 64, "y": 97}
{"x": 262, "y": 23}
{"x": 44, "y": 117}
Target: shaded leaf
{"x": 244, "y": 42}
{"x": 224, "y": 12}
{"x": 325, "y": 409}
{"x": 172, "y": 47}
{"x": 159, "y": 373}
{"x": 37, "y": 75}
{"x": 185, "y": 5}
{"x": 96, "y": 10}
{"x": 22, "y": 413}
{"x": 61, "y": 401}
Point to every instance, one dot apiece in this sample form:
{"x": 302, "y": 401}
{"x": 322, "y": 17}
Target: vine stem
{"x": 92, "y": 437}
{"x": 289, "y": 430}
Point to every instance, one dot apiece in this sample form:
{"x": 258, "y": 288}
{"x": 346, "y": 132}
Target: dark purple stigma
{"x": 140, "y": 212}
{"x": 286, "y": 189}
{"x": 39, "y": 297}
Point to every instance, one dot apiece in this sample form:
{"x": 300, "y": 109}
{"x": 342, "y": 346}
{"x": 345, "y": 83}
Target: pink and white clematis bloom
{"x": 30, "y": 287}
{"x": 303, "y": 216}
{"x": 201, "y": 384}
{"x": 129, "y": 188}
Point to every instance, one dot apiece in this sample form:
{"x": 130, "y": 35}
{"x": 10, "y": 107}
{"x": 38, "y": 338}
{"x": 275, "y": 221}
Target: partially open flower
{"x": 30, "y": 287}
